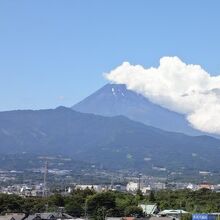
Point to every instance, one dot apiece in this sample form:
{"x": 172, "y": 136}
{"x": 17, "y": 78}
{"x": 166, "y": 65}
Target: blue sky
{"x": 54, "y": 52}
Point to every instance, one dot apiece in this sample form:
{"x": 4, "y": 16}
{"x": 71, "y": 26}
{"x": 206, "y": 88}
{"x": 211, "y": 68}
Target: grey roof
{"x": 79, "y": 218}
{"x": 12, "y": 217}
{"x": 113, "y": 218}
{"x": 172, "y": 211}
{"x": 30, "y": 217}
{"x": 49, "y": 215}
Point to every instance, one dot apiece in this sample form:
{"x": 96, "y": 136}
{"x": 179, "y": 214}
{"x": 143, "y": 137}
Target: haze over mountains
{"x": 98, "y": 130}
{"x": 115, "y": 142}
{"x": 115, "y": 99}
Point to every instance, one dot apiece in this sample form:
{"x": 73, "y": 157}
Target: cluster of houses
{"x": 153, "y": 211}
{"x": 149, "y": 210}
{"x": 132, "y": 187}
{"x": 145, "y": 188}
{"x": 24, "y": 190}
{"x": 166, "y": 215}
{"x": 37, "y": 216}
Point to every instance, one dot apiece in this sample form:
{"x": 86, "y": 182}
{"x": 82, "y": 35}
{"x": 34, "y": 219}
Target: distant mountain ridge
{"x": 116, "y": 142}
{"x": 115, "y": 99}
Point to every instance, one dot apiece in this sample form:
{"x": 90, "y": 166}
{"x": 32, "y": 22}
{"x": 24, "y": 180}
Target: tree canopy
{"x": 100, "y": 205}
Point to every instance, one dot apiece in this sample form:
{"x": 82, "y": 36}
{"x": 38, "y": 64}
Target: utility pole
{"x": 112, "y": 183}
{"x": 139, "y": 181}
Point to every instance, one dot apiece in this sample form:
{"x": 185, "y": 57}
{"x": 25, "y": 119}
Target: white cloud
{"x": 180, "y": 87}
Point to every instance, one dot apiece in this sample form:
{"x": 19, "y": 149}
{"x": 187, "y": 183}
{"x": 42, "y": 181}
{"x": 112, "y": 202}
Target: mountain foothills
{"x": 115, "y": 142}
{"x": 116, "y": 99}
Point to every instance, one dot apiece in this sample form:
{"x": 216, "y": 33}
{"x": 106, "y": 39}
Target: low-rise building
{"x": 172, "y": 213}
{"x": 132, "y": 187}
{"x": 149, "y": 210}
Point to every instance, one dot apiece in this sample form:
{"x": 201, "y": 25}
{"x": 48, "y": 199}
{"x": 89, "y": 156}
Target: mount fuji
{"x": 116, "y": 99}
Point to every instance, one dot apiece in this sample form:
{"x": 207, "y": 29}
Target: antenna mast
{"x": 45, "y": 179}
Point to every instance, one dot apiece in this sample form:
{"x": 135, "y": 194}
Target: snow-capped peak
{"x": 113, "y": 92}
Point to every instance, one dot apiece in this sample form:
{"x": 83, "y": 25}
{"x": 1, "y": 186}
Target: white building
{"x": 148, "y": 209}
{"x": 174, "y": 213}
{"x": 132, "y": 187}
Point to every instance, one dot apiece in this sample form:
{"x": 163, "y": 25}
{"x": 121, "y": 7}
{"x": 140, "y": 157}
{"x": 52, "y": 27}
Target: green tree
{"x": 56, "y": 200}
{"x": 100, "y": 203}
{"x": 133, "y": 211}
{"x": 74, "y": 208}
{"x": 186, "y": 217}
{"x": 151, "y": 196}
